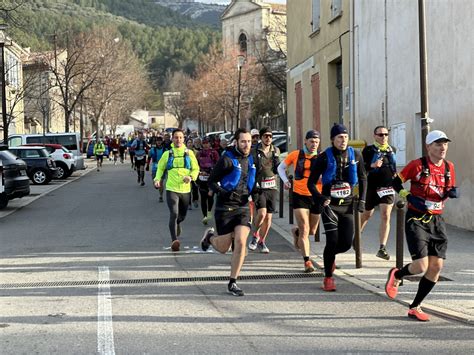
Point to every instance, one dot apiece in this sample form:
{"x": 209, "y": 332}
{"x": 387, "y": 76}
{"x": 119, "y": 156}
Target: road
{"x": 59, "y": 253}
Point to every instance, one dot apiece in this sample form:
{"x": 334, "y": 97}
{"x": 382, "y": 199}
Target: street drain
{"x": 157, "y": 280}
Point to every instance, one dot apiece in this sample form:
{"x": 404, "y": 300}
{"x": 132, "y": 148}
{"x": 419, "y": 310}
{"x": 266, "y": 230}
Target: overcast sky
{"x": 225, "y": 2}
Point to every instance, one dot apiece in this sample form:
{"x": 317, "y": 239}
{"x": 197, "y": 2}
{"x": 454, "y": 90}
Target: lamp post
{"x": 240, "y": 64}
{"x": 3, "y": 27}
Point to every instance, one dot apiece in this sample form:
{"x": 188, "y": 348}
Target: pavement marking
{"x": 105, "y": 331}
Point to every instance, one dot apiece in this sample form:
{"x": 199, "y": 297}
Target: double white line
{"x": 105, "y": 330}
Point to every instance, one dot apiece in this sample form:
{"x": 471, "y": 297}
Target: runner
{"x": 207, "y": 159}
{"x": 341, "y": 168}
{"x": 131, "y": 150}
{"x": 194, "y": 186}
{"x": 140, "y": 148}
{"x": 114, "y": 145}
{"x": 381, "y": 167}
{"x": 99, "y": 150}
{"x": 266, "y": 161}
{"x": 181, "y": 167}
{"x": 255, "y": 137}
{"x": 233, "y": 179}
{"x": 306, "y": 211}
{"x": 122, "y": 148}
{"x": 432, "y": 181}
{"x": 154, "y": 156}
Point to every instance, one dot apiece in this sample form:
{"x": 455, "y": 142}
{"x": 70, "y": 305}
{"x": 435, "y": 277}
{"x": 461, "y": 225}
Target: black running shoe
{"x": 206, "y": 239}
{"x": 383, "y": 254}
{"x": 235, "y": 290}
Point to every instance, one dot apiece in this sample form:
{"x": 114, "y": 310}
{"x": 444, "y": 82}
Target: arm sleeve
{"x": 220, "y": 170}
{"x": 282, "y": 172}
{"x": 367, "y": 156}
{"x": 318, "y": 165}
{"x": 194, "y": 166}
{"x": 162, "y": 166}
{"x": 361, "y": 176}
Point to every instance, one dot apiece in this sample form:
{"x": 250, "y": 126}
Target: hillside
{"x": 208, "y": 14}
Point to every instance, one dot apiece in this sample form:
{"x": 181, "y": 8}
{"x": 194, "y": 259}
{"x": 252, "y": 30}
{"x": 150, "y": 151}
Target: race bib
{"x": 341, "y": 190}
{"x": 433, "y": 206}
{"x": 268, "y": 183}
{"x": 203, "y": 177}
{"x": 139, "y": 158}
{"x": 385, "y": 191}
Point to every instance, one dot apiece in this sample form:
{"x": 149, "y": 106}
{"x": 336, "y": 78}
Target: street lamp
{"x": 3, "y": 38}
{"x": 240, "y": 63}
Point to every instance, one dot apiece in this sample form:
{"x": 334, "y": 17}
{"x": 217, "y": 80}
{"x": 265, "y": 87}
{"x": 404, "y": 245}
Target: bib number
{"x": 139, "y": 158}
{"x": 203, "y": 177}
{"x": 342, "y": 190}
{"x": 385, "y": 191}
{"x": 268, "y": 183}
{"x": 433, "y": 206}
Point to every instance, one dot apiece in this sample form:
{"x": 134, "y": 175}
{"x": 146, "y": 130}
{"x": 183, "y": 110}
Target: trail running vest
{"x": 299, "y": 170}
{"x": 390, "y": 156}
{"x": 231, "y": 181}
{"x": 187, "y": 160}
{"x": 330, "y": 173}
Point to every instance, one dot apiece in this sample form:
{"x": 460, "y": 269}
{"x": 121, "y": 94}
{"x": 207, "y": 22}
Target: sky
{"x": 225, "y": 2}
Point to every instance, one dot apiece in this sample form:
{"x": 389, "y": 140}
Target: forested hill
{"x": 166, "y": 41}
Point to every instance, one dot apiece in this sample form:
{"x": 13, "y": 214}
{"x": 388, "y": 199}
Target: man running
{"x": 140, "y": 148}
{"x": 207, "y": 159}
{"x": 306, "y": 211}
{"x": 381, "y": 168}
{"x": 432, "y": 181}
{"x": 154, "y": 156}
{"x": 266, "y": 161}
{"x": 255, "y": 137}
{"x": 341, "y": 168}
{"x": 99, "y": 151}
{"x": 181, "y": 167}
{"x": 122, "y": 148}
{"x": 131, "y": 151}
{"x": 233, "y": 179}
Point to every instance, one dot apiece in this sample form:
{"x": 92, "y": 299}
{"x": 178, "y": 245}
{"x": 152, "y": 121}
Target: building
{"x": 357, "y": 62}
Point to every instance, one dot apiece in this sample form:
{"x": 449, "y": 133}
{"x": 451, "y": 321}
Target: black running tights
{"x": 178, "y": 204}
{"x": 206, "y": 201}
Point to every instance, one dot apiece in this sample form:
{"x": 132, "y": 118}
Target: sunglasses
{"x": 382, "y": 134}
{"x": 267, "y": 136}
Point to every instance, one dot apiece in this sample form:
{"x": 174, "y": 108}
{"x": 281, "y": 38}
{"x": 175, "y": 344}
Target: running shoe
{"x": 175, "y": 245}
{"x": 391, "y": 286}
{"x": 328, "y": 284}
{"x": 235, "y": 290}
{"x": 294, "y": 232}
{"x": 417, "y": 312}
{"x": 143, "y": 183}
{"x": 178, "y": 230}
{"x": 262, "y": 248}
{"x": 195, "y": 204}
{"x": 383, "y": 254}
{"x": 254, "y": 242}
{"x": 206, "y": 239}
{"x": 308, "y": 266}
{"x": 204, "y": 220}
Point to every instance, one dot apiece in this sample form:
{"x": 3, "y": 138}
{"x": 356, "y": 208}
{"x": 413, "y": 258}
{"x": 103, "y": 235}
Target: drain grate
{"x": 156, "y": 280}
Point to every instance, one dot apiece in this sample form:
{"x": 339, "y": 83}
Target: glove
{"x": 404, "y": 193}
{"x": 453, "y": 193}
{"x": 147, "y": 168}
{"x": 361, "y": 206}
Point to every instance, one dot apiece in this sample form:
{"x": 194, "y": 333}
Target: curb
{"x": 29, "y": 201}
{"x": 435, "y": 310}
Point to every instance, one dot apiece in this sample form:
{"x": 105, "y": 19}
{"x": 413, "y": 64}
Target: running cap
{"x": 312, "y": 133}
{"x": 264, "y": 130}
{"x": 338, "y": 129}
{"x": 435, "y": 136}
{"x": 254, "y": 132}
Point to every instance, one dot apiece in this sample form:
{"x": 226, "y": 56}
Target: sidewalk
{"x": 453, "y": 299}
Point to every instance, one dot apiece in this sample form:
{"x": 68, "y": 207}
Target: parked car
{"x": 90, "y": 149}
{"x": 280, "y": 142}
{"x": 14, "y": 181}
{"x": 62, "y": 156}
{"x": 40, "y": 166}
{"x": 70, "y": 141}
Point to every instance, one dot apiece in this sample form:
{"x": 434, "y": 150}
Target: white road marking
{"x": 105, "y": 330}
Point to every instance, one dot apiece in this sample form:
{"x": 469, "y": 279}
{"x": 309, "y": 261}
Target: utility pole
{"x": 425, "y": 120}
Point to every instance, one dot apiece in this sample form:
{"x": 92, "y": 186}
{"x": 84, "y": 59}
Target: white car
{"x": 64, "y": 159}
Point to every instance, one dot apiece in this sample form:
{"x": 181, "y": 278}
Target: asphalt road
{"x": 58, "y": 253}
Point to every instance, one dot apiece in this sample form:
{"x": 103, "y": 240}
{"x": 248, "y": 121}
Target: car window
{"x": 7, "y": 155}
{"x": 30, "y": 153}
{"x": 14, "y": 141}
{"x": 49, "y": 149}
{"x": 67, "y": 140}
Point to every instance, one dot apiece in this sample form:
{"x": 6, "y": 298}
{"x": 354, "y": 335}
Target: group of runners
{"x": 241, "y": 180}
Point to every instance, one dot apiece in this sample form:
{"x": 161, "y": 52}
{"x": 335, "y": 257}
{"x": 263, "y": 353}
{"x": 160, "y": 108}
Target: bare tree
{"x": 178, "y": 83}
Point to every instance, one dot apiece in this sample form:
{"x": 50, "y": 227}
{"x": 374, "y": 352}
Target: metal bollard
{"x": 282, "y": 198}
{"x": 290, "y": 200}
{"x": 357, "y": 240}
{"x": 400, "y": 233}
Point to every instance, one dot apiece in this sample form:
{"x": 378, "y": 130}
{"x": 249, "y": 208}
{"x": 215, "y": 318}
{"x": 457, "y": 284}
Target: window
{"x": 316, "y": 5}
{"x": 336, "y": 8}
{"x": 243, "y": 43}
{"x": 11, "y": 70}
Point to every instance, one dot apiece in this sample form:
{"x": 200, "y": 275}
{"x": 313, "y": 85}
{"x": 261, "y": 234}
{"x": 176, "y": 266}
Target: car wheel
{"x": 63, "y": 171}
{"x": 40, "y": 177}
{"x": 3, "y": 200}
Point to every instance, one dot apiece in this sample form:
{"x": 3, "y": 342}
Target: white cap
{"x": 254, "y": 132}
{"x": 433, "y": 136}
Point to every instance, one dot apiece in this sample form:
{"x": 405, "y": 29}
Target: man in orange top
{"x": 432, "y": 181}
{"x": 307, "y": 213}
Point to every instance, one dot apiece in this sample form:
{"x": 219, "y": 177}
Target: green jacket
{"x": 99, "y": 148}
{"x": 174, "y": 180}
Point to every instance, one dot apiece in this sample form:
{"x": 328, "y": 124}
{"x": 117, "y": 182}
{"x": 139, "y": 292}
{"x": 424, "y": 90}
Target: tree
{"x": 177, "y": 85}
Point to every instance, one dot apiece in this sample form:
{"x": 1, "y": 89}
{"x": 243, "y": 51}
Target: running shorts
{"x": 266, "y": 199}
{"x": 140, "y": 162}
{"x": 226, "y": 221}
{"x": 372, "y": 199}
{"x": 425, "y": 235}
{"x": 306, "y": 202}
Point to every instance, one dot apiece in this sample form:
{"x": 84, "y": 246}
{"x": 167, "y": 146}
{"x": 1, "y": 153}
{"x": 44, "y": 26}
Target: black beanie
{"x": 338, "y": 129}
